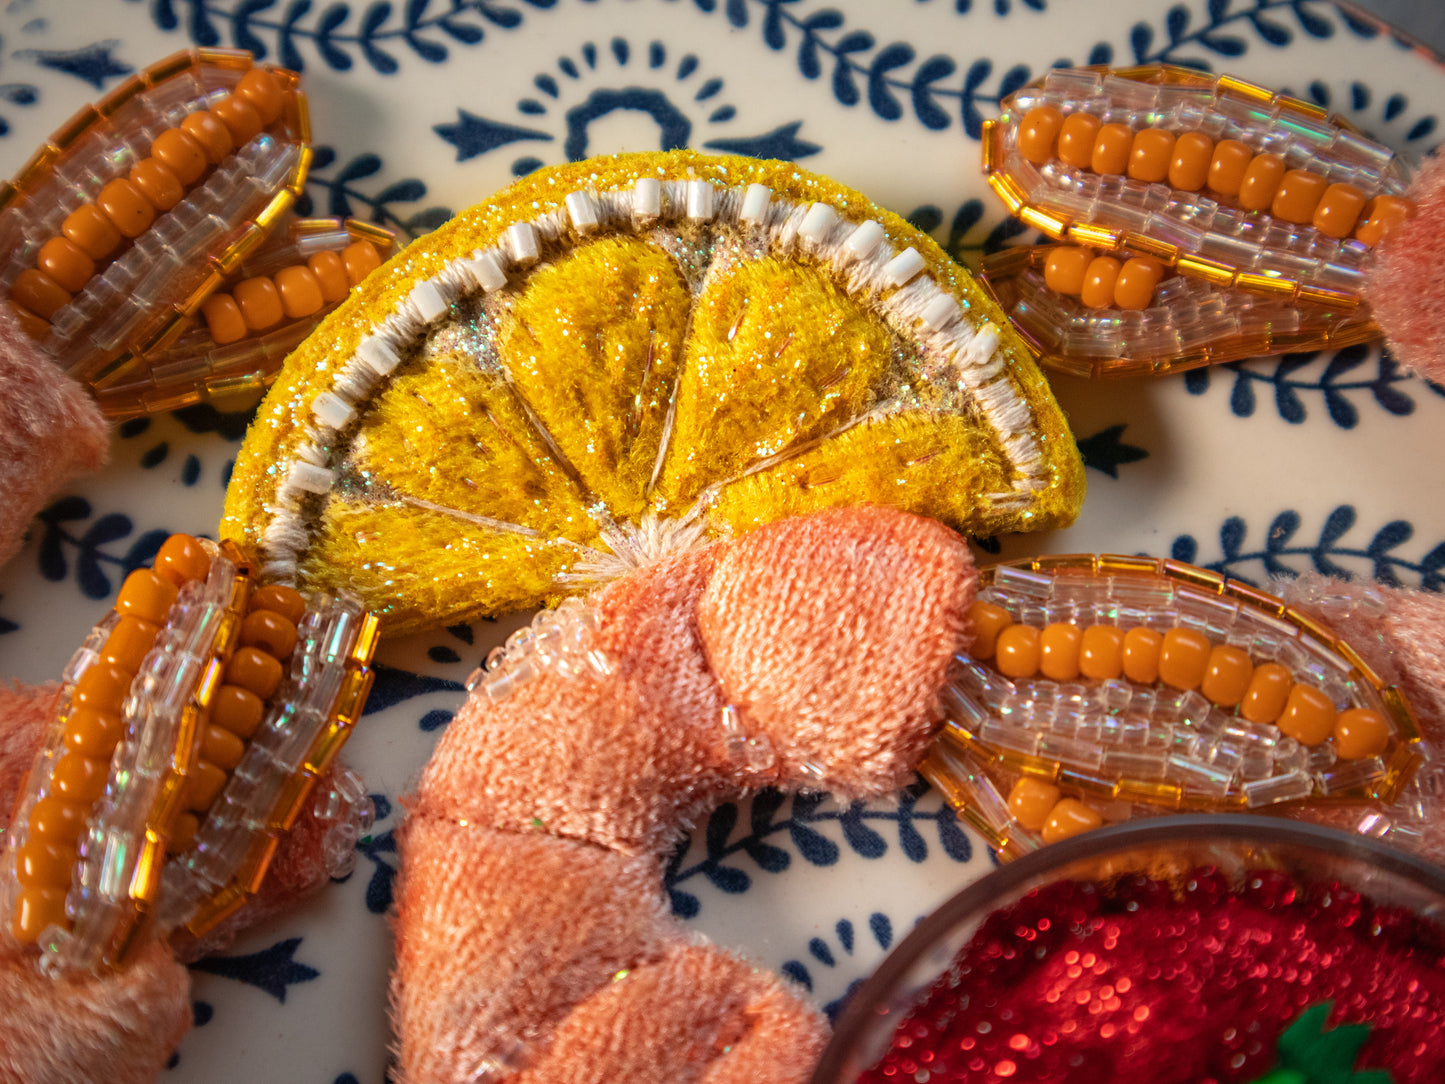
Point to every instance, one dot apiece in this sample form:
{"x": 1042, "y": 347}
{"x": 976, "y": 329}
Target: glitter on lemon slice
{"x": 618, "y": 358}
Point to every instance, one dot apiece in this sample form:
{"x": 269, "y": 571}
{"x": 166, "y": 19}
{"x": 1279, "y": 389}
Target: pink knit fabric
{"x": 24, "y": 716}
{"x": 532, "y": 938}
{"x": 50, "y": 430}
{"x": 1405, "y": 288}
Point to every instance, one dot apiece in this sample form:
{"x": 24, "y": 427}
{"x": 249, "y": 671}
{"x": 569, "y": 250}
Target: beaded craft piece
{"x": 191, "y": 727}
{"x": 1097, "y": 683}
{"x": 1206, "y": 218}
{"x": 133, "y": 213}
{"x": 622, "y": 358}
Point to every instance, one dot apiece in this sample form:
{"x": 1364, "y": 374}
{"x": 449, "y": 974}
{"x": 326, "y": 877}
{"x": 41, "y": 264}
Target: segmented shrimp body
{"x": 533, "y": 942}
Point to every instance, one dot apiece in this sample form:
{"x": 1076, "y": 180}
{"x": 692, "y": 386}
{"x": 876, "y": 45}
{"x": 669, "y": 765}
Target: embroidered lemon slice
{"x": 625, "y": 356}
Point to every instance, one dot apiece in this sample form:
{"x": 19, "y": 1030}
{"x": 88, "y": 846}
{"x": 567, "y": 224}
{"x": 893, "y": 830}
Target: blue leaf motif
{"x": 330, "y": 23}
{"x": 1395, "y": 533}
{"x": 816, "y": 848}
{"x": 1141, "y": 37}
{"x": 808, "y": 61}
{"x": 1241, "y": 397}
{"x": 1231, "y": 537}
{"x": 241, "y": 26}
{"x": 1177, "y": 23}
{"x": 925, "y": 107}
{"x": 1431, "y": 565}
{"x": 953, "y": 838}
{"x": 1185, "y": 548}
{"x": 1312, "y": 24}
{"x": 1272, "y": 32}
{"x": 863, "y": 840}
{"x": 844, "y": 87}
{"x": 880, "y": 98}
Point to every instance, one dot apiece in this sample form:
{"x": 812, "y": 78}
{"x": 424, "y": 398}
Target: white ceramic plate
{"x": 422, "y": 107}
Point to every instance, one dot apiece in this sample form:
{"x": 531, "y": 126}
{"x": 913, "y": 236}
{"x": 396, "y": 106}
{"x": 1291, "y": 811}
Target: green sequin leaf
{"x": 1311, "y": 1055}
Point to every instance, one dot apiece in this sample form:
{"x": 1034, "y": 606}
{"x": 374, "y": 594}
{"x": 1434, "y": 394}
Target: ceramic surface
{"x": 423, "y": 107}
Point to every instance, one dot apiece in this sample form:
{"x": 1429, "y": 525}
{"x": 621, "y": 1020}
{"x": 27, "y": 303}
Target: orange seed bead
{"x": 36, "y": 909}
{"x": 1261, "y": 181}
{"x": 238, "y": 710}
{"x": 1268, "y": 690}
{"x": 260, "y": 303}
{"x": 1017, "y": 651}
{"x": 265, "y": 93}
{"x": 39, "y": 293}
{"x": 92, "y": 232}
{"x": 254, "y": 670}
{"x": 1298, "y": 195}
{"x": 269, "y": 631}
{"x": 361, "y": 259}
{"x": 1339, "y": 210}
{"x": 286, "y": 601}
{"x": 1059, "y": 651}
{"x": 183, "y": 833}
{"x": 988, "y": 621}
{"x": 202, "y": 786}
{"x": 1189, "y": 168}
{"x": 1381, "y": 215}
{"x": 181, "y": 558}
{"x": 41, "y": 865}
{"x": 157, "y": 183}
{"x": 1228, "y": 166}
{"x": 1226, "y": 677}
{"x": 179, "y": 152}
{"x": 1099, "y": 279}
{"x": 1038, "y": 132}
{"x": 1111, "y": 149}
{"x": 214, "y": 138}
{"x": 129, "y": 642}
{"x": 222, "y": 748}
{"x": 66, "y": 263}
{"x": 1065, "y": 269}
{"x": 223, "y": 319}
{"x": 1183, "y": 658}
{"x": 1141, "y": 655}
{"x": 1076, "y": 139}
{"x": 1101, "y": 652}
{"x": 126, "y": 206}
{"x": 146, "y": 594}
{"x": 92, "y": 732}
{"x": 300, "y": 292}
{"x": 55, "y": 820}
{"x": 240, "y": 118}
{"x": 1150, "y": 155}
{"x": 330, "y": 272}
{"x": 80, "y": 779}
{"x": 1361, "y": 732}
{"x": 1031, "y": 801}
{"x": 103, "y": 687}
{"x": 1134, "y": 288}
{"x": 1069, "y": 818}
{"x": 1308, "y": 716}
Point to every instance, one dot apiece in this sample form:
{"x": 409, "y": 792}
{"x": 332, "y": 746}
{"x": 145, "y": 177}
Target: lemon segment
{"x": 941, "y": 465}
{"x": 593, "y": 345}
{"x": 757, "y": 381}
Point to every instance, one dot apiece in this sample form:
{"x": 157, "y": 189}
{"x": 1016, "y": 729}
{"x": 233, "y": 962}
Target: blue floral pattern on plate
{"x": 421, "y": 107}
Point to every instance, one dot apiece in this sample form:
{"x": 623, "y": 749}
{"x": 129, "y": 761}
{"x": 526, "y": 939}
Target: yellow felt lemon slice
{"x": 624, "y": 356}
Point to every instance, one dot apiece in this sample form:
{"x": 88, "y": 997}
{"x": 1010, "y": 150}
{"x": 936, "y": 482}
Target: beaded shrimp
{"x": 532, "y": 938}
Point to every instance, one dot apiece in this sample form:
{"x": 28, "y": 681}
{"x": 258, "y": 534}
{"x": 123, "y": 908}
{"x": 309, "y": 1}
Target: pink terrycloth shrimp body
{"x": 532, "y": 938}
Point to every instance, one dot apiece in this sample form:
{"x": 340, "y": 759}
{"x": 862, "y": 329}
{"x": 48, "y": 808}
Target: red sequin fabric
{"x": 1138, "y": 980}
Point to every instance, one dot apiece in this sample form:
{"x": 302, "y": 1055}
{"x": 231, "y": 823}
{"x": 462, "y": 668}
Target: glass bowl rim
{"x": 1001, "y": 882}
